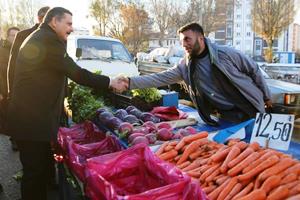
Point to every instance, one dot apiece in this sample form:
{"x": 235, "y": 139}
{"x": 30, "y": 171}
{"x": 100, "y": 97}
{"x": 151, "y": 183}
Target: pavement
{"x": 9, "y": 166}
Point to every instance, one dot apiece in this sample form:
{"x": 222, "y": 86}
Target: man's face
{"x": 11, "y": 35}
{"x": 63, "y": 27}
{"x": 192, "y": 42}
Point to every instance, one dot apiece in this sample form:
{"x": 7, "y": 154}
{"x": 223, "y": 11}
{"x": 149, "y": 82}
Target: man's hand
{"x": 268, "y": 103}
{"x": 119, "y": 84}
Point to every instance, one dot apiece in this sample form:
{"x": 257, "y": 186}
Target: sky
{"x": 80, "y": 10}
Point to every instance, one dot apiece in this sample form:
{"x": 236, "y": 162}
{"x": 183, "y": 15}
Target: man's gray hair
{"x": 57, "y": 12}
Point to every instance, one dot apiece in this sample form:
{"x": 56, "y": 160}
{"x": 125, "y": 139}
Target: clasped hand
{"x": 119, "y": 84}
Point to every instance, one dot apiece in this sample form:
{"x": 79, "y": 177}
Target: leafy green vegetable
{"x": 83, "y": 103}
{"x": 148, "y": 94}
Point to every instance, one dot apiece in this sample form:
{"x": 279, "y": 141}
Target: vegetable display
{"x": 237, "y": 171}
{"x": 148, "y": 94}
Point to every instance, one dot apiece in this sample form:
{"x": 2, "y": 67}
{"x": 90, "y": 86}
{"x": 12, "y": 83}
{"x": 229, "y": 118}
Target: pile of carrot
{"x": 236, "y": 171}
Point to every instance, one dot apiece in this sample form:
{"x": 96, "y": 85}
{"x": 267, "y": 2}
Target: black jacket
{"x": 20, "y": 37}
{"x": 38, "y": 90}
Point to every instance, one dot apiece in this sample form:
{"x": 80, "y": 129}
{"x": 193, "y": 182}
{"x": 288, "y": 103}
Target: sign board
{"x": 273, "y": 130}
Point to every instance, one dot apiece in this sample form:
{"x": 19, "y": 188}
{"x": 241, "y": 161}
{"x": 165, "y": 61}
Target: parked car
{"x": 104, "y": 54}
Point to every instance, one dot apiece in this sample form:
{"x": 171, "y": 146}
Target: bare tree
{"x": 132, "y": 27}
{"x": 101, "y": 11}
{"x": 19, "y": 13}
{"x": 209, "y": 13}
{"x": 161, "y": 10}
{"x": 270, "y": 18}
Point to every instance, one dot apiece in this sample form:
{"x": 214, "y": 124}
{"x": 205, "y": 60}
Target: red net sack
{"x": 135, "y": 174}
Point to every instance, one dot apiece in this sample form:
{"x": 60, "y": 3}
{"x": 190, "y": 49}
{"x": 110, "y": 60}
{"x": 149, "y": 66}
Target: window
{"x": 258, "y": 45}
{"x": 229, "y": 14}
{"x": 238, "y": 25}
{"x": 229, "y": 30}
{"x": 238, "y": 16}
{"x": 238, "y": 42}
{"x": 103, "y": 49}
{"x": 248, "y": 34}
{"x": 238, "y": 34}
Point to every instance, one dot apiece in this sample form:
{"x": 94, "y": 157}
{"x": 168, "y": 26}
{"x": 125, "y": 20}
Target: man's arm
{"x": 250, "y": 67}
{"x": 170, "y": 76}
{"x": 66, "y": 65}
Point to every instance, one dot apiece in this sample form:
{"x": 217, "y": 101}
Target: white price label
{"x": 273, "y": 130}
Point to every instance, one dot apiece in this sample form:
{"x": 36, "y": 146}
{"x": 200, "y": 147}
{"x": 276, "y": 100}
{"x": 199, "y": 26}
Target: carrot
{"x": 196, "y": 154}
{"x": 238, "y": 168}
{"x": 233, "y": 141}
{"x": 244, "y": 192}
{"x": 236, "y": 189}
{"x": 264, "y": 165}
{"x": 203, "y": 161}
{"x": 221, "y": 180}
{"x": 173, "y": 143}
{"x": 293, "y": 169}
{"x": 258, "y": 161}
{"x": 289, "y": 178}
{"x": 270, "y": 183}
{"x": 282, "y": 192}
{"x": 194, "y": 174}
{"x": 255, "y": 195}
{"x": 231, "y": 155}
{"x": 209, "y": 171}
{"x": 180, "y": 145}
{"x": 191, "y": 138}
{"x": 227, "y": 188}
{"x": 169, "y": 148}
{"x": 183, "y": 165}
{"x": 204, "y": 168}
{"x": 215, "y": 193}
{"x": 209, "y": 189}
{"x": 283, "y": 164}
{"x": 295, "y": 197}
{"x": 161, "y": 148}
{"x": 168, "y": 155}
{"x": 255, "y": 146}
{"x": 242, "y": 145}
{"x": 220, "y": 155}
{"x": 177, "y": 158}
{"x": 292, "y": 184}
{"x": 294, "y": 190}
{"x": 190, "y": 149}
{"x": 213, "y": 175}
{"x": 192, "y": 166}
{"x": 240, "y": 157}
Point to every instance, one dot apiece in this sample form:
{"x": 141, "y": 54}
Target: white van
{"x": 104, "y": 54}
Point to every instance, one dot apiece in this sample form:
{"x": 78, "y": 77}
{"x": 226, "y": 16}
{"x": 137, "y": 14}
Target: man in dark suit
{"x": 20, "y": 37}
{"x": 35, "y": 104}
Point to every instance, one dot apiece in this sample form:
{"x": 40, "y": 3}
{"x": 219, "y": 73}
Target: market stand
{"x": 66, "y": 174}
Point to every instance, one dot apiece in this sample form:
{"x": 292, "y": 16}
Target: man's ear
{"x": 53, "y": 22}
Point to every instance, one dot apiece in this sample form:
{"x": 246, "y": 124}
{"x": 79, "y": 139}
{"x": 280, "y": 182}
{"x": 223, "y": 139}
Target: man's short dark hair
{"x": 195, "y": 27}
{"x": 42, "y": 11}
{"x": 12, "y": 28}
{"x": 57, "y": 12}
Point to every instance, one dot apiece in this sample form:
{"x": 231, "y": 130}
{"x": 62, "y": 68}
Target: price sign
{"x": 273, "y": 130}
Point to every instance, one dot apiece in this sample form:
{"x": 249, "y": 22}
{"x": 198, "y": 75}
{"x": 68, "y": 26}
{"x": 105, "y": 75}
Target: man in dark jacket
{"x": 5, "y": 47}
{"x": 38, "y": 92}
{"x": 20, "y": 37}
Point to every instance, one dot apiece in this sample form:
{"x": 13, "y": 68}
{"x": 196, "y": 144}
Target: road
{"x": 9, "y": 166}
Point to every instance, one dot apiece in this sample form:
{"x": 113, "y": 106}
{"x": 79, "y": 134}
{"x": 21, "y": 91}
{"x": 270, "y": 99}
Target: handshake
{"x": 119, "y": 84}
